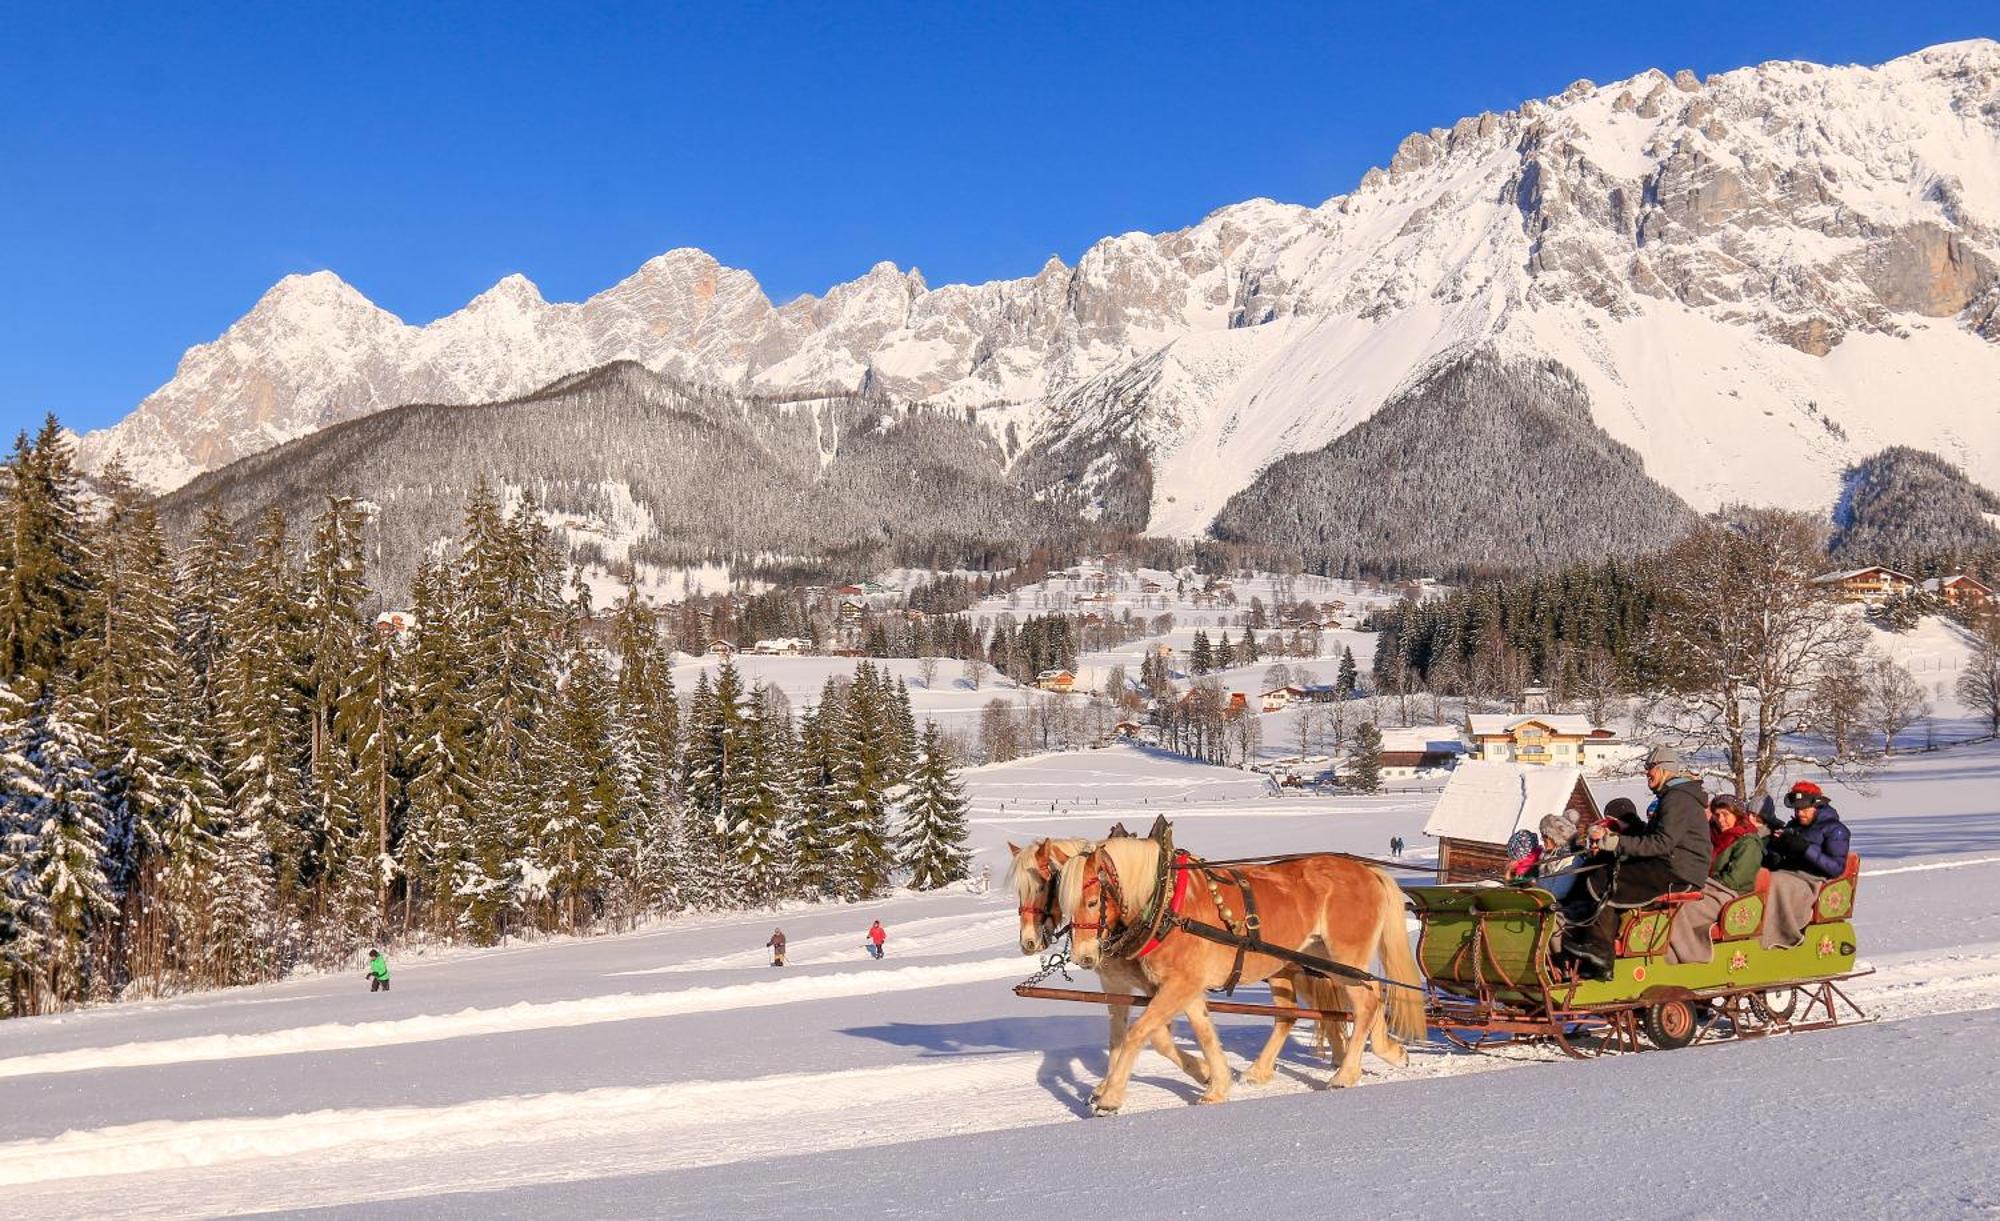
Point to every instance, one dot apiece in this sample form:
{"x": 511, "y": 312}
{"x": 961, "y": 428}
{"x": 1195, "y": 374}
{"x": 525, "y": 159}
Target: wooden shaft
{"x": 1108, "y": 998}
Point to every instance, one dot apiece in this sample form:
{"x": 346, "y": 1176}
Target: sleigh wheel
{"x": 1671, "y": 1024}
{"x": 1776, "y": 1006}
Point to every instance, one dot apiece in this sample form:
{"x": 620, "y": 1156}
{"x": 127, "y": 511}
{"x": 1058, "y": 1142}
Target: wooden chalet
{"x": 1056, "y": 680}
{"x": 722, "y": 649}
{"x": 1486, "y": 803}
{"x": 1865, "y": 585}
{"x": 1960, "y": 590}
{"x": 1421, "y": 748}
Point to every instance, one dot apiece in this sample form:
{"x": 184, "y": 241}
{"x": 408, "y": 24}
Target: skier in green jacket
{"x": 378, "y": 972}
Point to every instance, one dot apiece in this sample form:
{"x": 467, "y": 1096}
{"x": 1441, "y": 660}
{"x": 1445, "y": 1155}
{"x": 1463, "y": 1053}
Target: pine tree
{"x": 1249, "y": 648}
{"x": 64, "y": 897}
{"x": 764, "y": 802}
{"x": 815, "y": 840}
{"x": 1365, "y": 764}
{"x": 932, "y": 844}
{"x": 436, "y": 850}
{"x": 646, "y": 748}
{"x": 263, "y": 716}
{"x": 578, "y": 831}
{"x": 45, "y": 561}
{"x": 1202, "y": 656}
{"x": 368, "y": 725}
{"x": 861, "y": 783}
{"x": 334, "y": 842}
{"x": 1347, "y": 677}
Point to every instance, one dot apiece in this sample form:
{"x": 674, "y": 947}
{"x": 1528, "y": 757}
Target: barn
{"x": 1485, "y": 803}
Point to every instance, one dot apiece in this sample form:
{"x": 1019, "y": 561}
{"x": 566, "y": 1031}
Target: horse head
{"x": 1033, "y": 874}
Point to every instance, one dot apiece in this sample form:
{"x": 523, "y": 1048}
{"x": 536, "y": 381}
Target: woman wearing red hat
{"x": 1814, "y": 841}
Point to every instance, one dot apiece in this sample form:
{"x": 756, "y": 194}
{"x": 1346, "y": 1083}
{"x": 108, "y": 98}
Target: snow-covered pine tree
{"x": 436, "y": 850}
{"x": 765, "y": 806}
{"x": 861, "y": 782}
{"x": 334, "y": 861}
{"x": 1225, "y": 652}
{"x": 126, "y": 662}
{"x": 368, "y": 724}
{"x": 1201, "y": 656}
{"x": 907, "y": 747}
{"x": 815, "y": 838}
{"x": 1365, "y": 764}
{"x": 65, "y": 897}
{"x": 45, "y": 561}
{"x": 1348, "y": 677}
{"x": 932, "y": 844}
{"x": 263, "y": 718}
{"x": 578, "y": 829}
{"x": 19, "y": 947}
{"x": 646, "y": 748}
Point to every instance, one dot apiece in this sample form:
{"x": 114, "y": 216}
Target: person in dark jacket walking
{"x": 777, "y": 947}
{"x": 1669, "y": 852}
{"x": 1813, "y": 841}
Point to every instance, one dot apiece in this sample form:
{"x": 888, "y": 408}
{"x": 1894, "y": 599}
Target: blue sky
{"x": 161, "y": 165}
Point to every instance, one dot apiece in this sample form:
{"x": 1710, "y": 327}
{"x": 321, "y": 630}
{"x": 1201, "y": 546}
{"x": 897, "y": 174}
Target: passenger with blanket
{"x": 1801, "y": 853}
{"x": 1737, "y": 839}
{"x": 1670, "y": 853}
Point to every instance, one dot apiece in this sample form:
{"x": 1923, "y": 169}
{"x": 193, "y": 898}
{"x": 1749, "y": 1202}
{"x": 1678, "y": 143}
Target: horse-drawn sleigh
{"x": 1164, "y": 929}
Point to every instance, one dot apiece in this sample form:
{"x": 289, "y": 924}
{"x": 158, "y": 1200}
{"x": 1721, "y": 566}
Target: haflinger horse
{"x": 1330, "y": 906}
{"x": 1035, "y": 875}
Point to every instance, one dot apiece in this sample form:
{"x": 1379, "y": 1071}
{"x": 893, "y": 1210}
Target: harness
{"x": 1161, "y": 917}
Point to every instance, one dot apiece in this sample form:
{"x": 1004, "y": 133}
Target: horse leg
{"x": 1116, "y": 980}
{"x": 1171, "y": 999}
{"x": 1367, "y": 1002}
{"x": 1284, "y": 992}
{"x": 1211, "y": 1045}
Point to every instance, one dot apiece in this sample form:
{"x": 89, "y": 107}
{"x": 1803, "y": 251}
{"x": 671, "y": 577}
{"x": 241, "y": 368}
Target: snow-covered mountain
{"x": 1757, "y": 279}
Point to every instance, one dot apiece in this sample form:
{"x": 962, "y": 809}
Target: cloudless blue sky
{"x": 162, "y": 164}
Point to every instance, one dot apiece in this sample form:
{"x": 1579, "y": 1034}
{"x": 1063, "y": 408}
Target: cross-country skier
{"x": 378, "y": 972}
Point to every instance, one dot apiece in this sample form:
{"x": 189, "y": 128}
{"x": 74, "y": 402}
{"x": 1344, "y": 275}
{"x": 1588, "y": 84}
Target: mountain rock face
{"x": 1753, "y": 280}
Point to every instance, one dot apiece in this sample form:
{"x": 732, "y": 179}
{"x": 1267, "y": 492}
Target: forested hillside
{"x": 1482, "y": 466}
{"x": 663, "y": 472}
{"x": 1916, "y": 512}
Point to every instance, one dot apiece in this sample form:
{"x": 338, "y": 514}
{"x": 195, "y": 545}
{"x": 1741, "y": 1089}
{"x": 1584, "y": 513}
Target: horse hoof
{"x": 1098, "y": 1110}
{"x": 1259, "y": 1076}
{"x": 1209, "y": 1100}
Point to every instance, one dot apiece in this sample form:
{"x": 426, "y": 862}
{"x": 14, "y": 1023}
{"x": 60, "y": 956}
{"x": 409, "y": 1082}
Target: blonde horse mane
{"x": 1021, "y": 877}
{"x": 1138, "y": 864}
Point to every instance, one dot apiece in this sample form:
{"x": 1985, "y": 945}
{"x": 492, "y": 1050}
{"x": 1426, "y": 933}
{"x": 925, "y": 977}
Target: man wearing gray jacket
{"x": 1670, "y": 853}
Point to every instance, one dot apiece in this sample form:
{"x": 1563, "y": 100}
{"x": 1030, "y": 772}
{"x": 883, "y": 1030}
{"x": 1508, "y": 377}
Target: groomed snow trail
{"x": 624, "y": 1007}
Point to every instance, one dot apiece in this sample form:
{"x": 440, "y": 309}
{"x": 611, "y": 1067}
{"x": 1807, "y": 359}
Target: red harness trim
{"x": 1183, "y": 878}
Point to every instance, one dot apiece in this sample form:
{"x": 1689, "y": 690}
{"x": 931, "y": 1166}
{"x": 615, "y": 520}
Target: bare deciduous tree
{"x": 1741, "y": 639}
{"x": 1896, "y": 701}
{"x": 1979, "y": 681}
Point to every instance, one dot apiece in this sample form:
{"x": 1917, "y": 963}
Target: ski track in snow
{"x": 525, "y": 1016}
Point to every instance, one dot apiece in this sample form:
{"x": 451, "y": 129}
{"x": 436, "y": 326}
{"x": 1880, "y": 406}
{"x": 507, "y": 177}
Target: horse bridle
{"x": 1110, "y": 894}
{"x": 1051, "y": 879}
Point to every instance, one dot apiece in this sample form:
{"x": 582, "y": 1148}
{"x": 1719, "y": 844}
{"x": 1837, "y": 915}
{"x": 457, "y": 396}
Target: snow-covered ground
{"x": 669, "y": 1071}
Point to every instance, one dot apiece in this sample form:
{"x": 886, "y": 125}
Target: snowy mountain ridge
{"x": 1758, "y": 278}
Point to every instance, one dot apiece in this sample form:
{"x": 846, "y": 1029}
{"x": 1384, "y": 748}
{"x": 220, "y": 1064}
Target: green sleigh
{"x": 1486, "y": 951}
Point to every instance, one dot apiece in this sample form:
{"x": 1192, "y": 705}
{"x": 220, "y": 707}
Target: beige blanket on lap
{"x": 1690, "y": 939}
{"x": 1788, "y": 908}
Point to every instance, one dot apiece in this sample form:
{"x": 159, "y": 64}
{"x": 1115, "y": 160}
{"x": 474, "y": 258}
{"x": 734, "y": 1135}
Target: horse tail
{"x": 1405, "y": 1004}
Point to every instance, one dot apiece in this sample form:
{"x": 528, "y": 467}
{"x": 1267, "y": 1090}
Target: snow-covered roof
{"x": 1569, "y": 723}
{"x": 1940, "y": 584}
{"x": 1487, "y": 802}
{"x": 1829, "y": 578}
{"x": 1425, "y": 739}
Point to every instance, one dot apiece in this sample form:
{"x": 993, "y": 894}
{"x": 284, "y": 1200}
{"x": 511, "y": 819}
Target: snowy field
{"x": 669, "y": 1071}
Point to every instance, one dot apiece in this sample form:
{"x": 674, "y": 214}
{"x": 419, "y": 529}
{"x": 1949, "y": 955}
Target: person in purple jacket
{"x": 1814, "y": 841}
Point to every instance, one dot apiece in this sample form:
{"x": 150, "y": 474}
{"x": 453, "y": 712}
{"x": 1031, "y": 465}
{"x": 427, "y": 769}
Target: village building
{"x": 722, "y": 649}
{"x": 1150, "y": 586}
{"x": 1485, "y": 803}
{"x": 781, "y": 646}
{"x": 395, "y": 622}
{"x": 1279, "y": 698}
{"x": 1056, "y": 680}
{"x": 1130, "y": 730}
{"x": 1868, "y": 586}
{"x": 1545, "y": 739}
{"x": 1961, "y": 591}
{"x": 1421, "y": 750}
{"x": 851, "y": 610}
